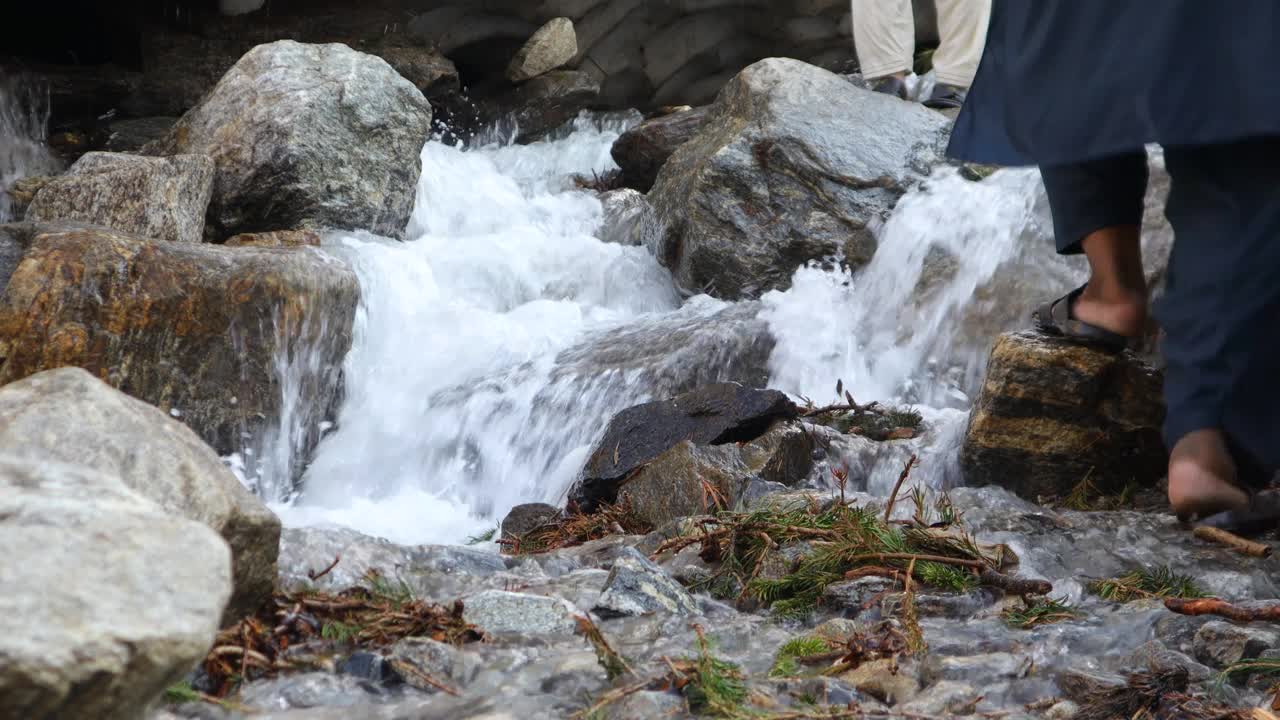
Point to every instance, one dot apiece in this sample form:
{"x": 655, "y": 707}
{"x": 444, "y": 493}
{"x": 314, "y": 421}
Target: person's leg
{"x": 884, "y": 37}
{"x": 1220, "y": 313}
{"x": 1097, "y": 210}
{"x": 962, "y": 34}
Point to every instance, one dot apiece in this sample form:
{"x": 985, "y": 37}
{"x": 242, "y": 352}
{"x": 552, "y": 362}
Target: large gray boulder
{"x": 794, "y": 164}
{"x": 308, "y": 136}
{"x": 162, "y": 198}
{"x": 70, "y": 416}
{"x": 553, "y": 46}
{"x": 108, "y": 599}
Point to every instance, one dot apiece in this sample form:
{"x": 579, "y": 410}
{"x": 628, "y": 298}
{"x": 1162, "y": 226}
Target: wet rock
{"x": 785, "y": 171}
{"x": 308, "y": 136}
{"x": 638, "y": 587}
{"x": 945, "y": 699}
{"x": 192, "y": 329}
{"x": 1219, "y": 643}
{"x": 70, "y": 416}
{"x": 702, "y": 343}
{"x": 364, "y": 666}
{"x": 838, "y": 630}
{"x": 432, "y": 73}
{"x": 1159, "y": 657}
{"x": 629, "y": 219}
{"x": 553, "y": 46}
{"x": 646, "y": 705}
{"x": 757, "y": 489}
{"x": 499, "y": 612}
{"x": 712, "y": 415}
{"x": 855, "y": 595}
{"x": 310, "y": 690}
{"x": 830, "y": 691}
{"x": 23, "y": 191}
{"x": 130, "y": 135}
{"x": 437, "y": 660}
{"x": 694, "y": 479}
{"x": 278, "y": 238}
{"x": 945, "y": 605}
{"x": 687, "y": 566}
{"x": 644, "y": 149}
{"x": 436, "y": 573}
{"x": 1081, "y": 685}
{"x": 1062, "y": 710}
{"x": 159, "y": 198}
{"x": 527, "y": 517}
{"x": 977, "y": 668}
{"x": 1052, "y": 413}
{"x": 890, "y": 682}
{"x": 532, "y": 110}
{"x": 108, "y": 598}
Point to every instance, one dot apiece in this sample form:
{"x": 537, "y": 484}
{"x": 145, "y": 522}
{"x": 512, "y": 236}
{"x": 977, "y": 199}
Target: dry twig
{"x": 1233, "y": 541}
{"x": 893, "y": 496}
{"x": 1222, "y": 608}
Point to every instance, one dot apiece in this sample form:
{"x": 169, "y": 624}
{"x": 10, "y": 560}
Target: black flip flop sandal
{"x": 1055, "y": 318}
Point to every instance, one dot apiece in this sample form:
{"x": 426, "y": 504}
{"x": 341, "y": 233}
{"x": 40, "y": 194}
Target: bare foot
{"x": 1122, "y": 312}
{"x": 1201, "y": 476}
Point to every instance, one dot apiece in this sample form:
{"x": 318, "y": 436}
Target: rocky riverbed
{"x": 309, "y": 409}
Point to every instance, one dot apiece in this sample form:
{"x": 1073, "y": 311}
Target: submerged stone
{"x": 638, "y": 587}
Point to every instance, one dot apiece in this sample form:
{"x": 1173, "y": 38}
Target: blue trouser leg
{"x": 1221, "y": 309}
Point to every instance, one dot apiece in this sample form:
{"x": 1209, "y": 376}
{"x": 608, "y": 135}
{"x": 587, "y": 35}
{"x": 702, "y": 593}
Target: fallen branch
{"x": 679, "y": 543}
{"x": 614, "y": 665}
{"x": 611, "y": 697}
{"x": 873, "y": 571}
{"x": 850, "y": 407}
{"x": 1222, "y": 608}
{"x": 317, "y": 575}
{"x": 893, "y": 496}
{"x": 1233, "y": 541}
{"x": 962, "y": 562}
{"x": 1014, "y": 585}
{"x": 424, "y": 677}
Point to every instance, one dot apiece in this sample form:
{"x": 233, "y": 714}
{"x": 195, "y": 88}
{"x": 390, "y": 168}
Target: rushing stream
{"x": 24, "y": 131}
{"x": 494, "y": 345}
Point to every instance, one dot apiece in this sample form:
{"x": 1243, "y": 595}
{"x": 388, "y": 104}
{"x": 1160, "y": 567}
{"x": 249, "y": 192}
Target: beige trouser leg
{"x": 962, "y": 30}
{"x": 884, "y": 35}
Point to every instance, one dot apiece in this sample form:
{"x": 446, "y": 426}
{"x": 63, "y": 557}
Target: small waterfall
{"x": 24, "y": 134}
{"x": 959, "y": 262}
{"x": 493, "y": 346}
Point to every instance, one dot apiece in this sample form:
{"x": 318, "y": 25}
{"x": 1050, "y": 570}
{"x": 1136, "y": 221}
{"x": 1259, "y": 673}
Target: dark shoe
{"x": 945, "y": 97}
{"x": 891, "y": 86}
{"x": 1262, "y": 516}
{"x": 1057, "y": 318}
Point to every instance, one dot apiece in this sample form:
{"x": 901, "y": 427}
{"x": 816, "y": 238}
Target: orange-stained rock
{"x": 1052, "y": 414}
{"x": 278, "y": 238}
{"x": 193, "y": 329}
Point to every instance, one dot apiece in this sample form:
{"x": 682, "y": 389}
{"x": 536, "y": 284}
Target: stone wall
{"x": 644, "y": 53}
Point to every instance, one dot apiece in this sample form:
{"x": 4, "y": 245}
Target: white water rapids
{"x": 493, "y": 346}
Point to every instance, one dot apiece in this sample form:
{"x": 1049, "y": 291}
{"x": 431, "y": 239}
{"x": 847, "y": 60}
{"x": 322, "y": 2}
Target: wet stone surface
{"x": 535, "y": 664}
